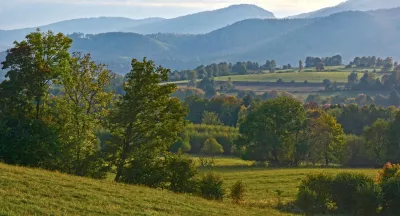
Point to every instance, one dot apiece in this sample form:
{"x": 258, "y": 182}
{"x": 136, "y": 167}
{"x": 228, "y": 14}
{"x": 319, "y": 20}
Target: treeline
{"x": 226, "y": 69}
{"x": 351, "y": 193}
{"x": 370, "y": 81}
{"x": 326, "y": 61}
{"x": 283, "y": 132}
{"x": 392, "y": 99}
{"x": 373, "y": 62}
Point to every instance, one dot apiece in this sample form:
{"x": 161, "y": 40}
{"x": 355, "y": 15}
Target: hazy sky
{"x": 29, "y": 13}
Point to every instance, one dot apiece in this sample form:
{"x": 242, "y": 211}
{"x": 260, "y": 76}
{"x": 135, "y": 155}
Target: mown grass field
{"x": 262, "y": 183}
{"x": 26, "y": 191}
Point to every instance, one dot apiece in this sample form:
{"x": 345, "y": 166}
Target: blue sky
{"x": 29, "y": 13}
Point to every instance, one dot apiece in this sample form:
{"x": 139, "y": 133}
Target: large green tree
{"x": 28, "y": 135}
{"x": 33, "y": 65}
{"x": 268, "y": 132}
{"x": 326, "y": 139}
{"x": 376, "y": 139}
{"x": 83, "y": 103}
{"x": 146, "y": 120}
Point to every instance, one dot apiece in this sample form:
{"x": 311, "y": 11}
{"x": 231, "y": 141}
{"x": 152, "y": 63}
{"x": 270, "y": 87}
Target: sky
{"x": 31, "y": 13}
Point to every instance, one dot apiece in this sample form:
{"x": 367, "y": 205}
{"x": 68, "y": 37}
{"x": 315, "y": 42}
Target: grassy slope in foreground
{"x": 25, "y": 191}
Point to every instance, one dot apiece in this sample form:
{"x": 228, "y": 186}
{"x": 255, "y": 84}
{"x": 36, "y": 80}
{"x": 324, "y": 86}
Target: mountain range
{"x": 198, "y": 23}
{"x": 349, "y": 33}
{"x": 352, "y": 5}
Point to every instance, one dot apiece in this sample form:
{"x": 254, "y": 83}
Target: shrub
{"x": 315, "y": 188}
{"x": 344, "y": 188}
{"x": 388, "y": 171}
{"x": 146, "y": 171}
{"x": 307, "y": 200}
{"x": 368, "y": 199}
{"x": 238, "y": 191}
{"x": 212, "y": 147}
{"x": 391, "y": 196}
{"x": 181, "y": 146}
{"x": 181, "y": 171}
{"x": 211, "y": 187}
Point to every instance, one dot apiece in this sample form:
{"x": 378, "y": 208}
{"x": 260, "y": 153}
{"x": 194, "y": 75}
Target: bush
{"x": 181, "y": 146}
{"x": 368, "y": 199}
{"x": 181, "y": 171}
{"x": 212, "y": 147}
{"x": 388, "y": 171}
{"x": 307, "y": 200}
{"x": 146, "y": 171}
{"x": 238, "y": 191}
{"x": 316, "y": 188}
{"x": 391, "y": 196}
{"x": 211, "y": 187}
{"x": 344, "y": 188}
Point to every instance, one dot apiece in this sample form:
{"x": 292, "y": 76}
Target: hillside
{"x": 204, "y": 22}
{"x": 355, "y": 5}
{"x": 84, "y": 25}
{"x": 199, "y": 23}
{"x": 349, "y": 34}
{"x": 26, "y": 191}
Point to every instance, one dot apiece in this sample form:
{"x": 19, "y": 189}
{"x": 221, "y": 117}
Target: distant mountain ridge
{"x": 204, "y": 22}
{"x": 351, "y": 5}
{"x": 350, "y": 34}
{"x": 198, "y": 23}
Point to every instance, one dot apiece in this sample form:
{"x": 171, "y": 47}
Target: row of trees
{"x": 327, "y": 61}
{"x": 369, "y": 81}
{"x": 86, "y": 129}
{"x": 373, "y": 62}
{"x": 282, "y": 131}
{"x": 225, "y": 69}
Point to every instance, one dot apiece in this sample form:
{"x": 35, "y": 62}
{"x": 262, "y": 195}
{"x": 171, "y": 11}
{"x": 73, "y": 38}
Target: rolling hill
{"x": 199, "y": 23}
{"x": 84, "y": 25}
{"x": 350, "y": 34}
{"x": 285, "y": 40}
{"x": 26, "y": 191}
{"x": 204, "y": 22}
{"x": 352, "y": 5}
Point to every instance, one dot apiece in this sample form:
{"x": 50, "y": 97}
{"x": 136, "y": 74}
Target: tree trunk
{"x": 37, "y": 108}
{"x": 121, "y": 163}
{"x": 326, "y": 159}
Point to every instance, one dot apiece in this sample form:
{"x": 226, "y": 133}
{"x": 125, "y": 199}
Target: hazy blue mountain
{"x": 84, "y": 25}
{"x": 355, "y": 5}
{"x": 97, "y": 25}
{"x": 204, "y": 22}
{"x": 349, "y": 34}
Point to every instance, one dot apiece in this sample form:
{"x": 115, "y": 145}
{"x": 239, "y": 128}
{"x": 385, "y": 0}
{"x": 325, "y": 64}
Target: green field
{"x": 311, "y": 77}
{"x": 262, "y": 183}
{"x": 26, "y": 191}
{"x": 36, "y": 192}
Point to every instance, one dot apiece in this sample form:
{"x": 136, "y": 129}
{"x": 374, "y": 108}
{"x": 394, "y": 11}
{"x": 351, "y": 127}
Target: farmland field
{"x": 312, "y": 77}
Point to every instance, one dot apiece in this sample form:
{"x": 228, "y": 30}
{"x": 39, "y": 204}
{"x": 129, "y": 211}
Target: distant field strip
{"x": 312, "y": 77}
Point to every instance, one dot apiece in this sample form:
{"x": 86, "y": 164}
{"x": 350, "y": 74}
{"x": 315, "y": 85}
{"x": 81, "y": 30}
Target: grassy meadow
{"x": 311, "y": 77}
{"x": 26, "y": 191}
